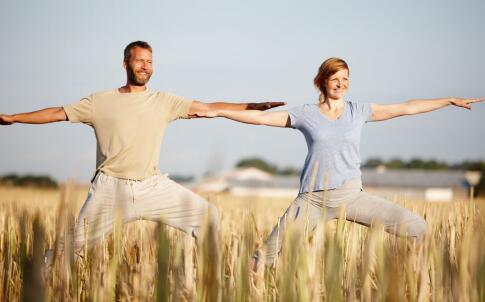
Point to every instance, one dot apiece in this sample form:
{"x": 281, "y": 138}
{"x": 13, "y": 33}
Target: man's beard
{"x": 134, "y": 79}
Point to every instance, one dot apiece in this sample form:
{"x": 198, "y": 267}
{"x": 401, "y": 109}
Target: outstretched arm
{"x": 203, "y": 107}
{"x": 381, "y": 112}
{"x": 255, "y": 117}
{"x": 47, "y": 115}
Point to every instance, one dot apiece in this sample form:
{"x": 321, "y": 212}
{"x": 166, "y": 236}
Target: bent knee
{"x": 417, "y": 228}
{"x": 213, "y": 214}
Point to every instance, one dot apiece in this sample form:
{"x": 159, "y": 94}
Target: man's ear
{"x": 124, "y": 64}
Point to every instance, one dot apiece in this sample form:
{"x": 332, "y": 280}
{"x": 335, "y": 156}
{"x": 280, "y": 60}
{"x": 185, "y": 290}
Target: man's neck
{"x": 132, "y": 88}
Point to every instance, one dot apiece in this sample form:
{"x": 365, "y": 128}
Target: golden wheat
{"x": 340, "y": 261}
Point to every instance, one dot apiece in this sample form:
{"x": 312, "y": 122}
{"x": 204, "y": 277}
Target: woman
{"x": 331, "y": 176}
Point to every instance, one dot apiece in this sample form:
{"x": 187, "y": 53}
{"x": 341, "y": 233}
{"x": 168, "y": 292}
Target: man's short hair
{"x": 141, "y": 44}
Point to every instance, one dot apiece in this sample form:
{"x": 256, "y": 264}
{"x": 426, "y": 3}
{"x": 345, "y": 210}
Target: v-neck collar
{"x": 330, "y": 120}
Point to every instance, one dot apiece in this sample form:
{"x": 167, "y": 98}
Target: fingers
{"x": 277, "y": 104}
{"x": 463, "y": 103}
{"x": 472, "y": 100}
{"x": 195, "y": 115}
{"x": 265, "y": 105}
{"x": 201, "y": 115}
{"x": 269, "y": 105}
{"x": 466, "y": 103}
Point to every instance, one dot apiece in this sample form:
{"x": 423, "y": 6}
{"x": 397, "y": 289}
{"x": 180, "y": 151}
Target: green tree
{"x": 257, "y": 163}
{"x": 288, "y": 171}
{"x": 395, "y": 163}
{"x": 41, "y": 181}
{"x": 373, "y": 163}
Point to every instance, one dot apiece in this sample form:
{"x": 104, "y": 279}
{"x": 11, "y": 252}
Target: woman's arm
{"x": 43, "y": 116}
{"x": 381, "y": 112}
{"x": 255, "y": 117}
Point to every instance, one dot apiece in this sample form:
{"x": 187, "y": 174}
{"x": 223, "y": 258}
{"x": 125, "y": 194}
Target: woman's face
{"x": 337, "y": 84}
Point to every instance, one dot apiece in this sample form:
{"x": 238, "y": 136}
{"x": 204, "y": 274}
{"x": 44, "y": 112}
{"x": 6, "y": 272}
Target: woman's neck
{"x": 332, "y": 104}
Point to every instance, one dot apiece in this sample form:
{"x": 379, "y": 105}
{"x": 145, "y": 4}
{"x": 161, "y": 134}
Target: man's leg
{"x": 108, "y": 199}
{"x": 368, "y": 209}
{"x": 161, "y": 199}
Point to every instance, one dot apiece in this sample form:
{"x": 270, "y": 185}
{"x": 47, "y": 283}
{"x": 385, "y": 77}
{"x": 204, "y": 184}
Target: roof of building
{"x": 413, "y": 178}
{"x": 372, "y": 177}
{"x": 252, "y": 178}
{"x": 275, "y": 182}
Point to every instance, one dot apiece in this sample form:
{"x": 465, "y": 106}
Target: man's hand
{"x": 265, "y": 105}
{"x": 200, "y": 107}
{"x": 6, "y": 119}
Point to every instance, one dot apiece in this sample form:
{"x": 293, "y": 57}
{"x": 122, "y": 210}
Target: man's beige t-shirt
{"x": 129, "y": 128}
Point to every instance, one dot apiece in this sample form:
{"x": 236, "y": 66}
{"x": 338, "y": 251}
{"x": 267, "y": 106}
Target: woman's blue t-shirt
{"x": 333, "y": 146}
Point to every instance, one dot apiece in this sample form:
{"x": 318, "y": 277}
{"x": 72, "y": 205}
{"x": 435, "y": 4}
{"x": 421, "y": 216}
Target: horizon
{"x": 364, "y": 166}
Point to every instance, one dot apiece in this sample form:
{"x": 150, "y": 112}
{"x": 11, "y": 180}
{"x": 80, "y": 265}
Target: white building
{"x": 410, "y": 184}
{"x": 426, "y": 185}
{"x": 249, "y": 182}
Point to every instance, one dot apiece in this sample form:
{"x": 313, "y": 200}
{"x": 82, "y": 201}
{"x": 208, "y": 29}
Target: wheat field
{"x": 145, "y": 261}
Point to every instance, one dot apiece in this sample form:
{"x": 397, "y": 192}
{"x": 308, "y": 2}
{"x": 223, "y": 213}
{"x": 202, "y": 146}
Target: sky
{"x": 56, "y": 52}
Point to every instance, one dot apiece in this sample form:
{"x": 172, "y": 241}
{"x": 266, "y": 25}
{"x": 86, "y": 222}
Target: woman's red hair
{"x": 326, "y": 70}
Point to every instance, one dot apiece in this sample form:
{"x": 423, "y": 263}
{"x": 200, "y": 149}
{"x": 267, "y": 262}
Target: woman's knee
{"x": 417, "y": 228}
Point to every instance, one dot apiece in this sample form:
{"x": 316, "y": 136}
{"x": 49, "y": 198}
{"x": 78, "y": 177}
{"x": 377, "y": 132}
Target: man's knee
{"x": 213, "y": 215}
{"x": 212, "y": 220}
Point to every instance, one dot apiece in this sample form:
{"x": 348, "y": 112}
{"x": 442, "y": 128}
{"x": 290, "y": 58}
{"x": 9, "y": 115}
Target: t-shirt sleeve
{"x": 296, "y": 117}
{"x": 365, "y": 111}
{"x": 178, "y": 107}
{"x": 80, "y": 112}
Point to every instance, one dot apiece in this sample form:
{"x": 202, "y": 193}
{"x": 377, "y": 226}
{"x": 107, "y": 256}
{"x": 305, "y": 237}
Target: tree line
{"x": 38, "y": 181}
{"x": 395, "y": 163}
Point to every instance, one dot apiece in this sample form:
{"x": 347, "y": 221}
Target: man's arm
{"x": 204, "y": 107}
{"x": 381, "y": 112}
{"x": 44, "y": 116}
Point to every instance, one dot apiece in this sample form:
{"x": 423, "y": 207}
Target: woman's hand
{"x": 465, "y": 103}
{"x": 206, "y": 114}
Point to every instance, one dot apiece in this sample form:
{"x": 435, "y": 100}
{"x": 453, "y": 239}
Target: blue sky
{"x": 56, "y": 52}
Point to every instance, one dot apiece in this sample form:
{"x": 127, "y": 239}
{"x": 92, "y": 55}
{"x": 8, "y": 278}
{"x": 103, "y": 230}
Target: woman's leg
{"x": 297, "y": 214}
{"x": 368, "y": 209}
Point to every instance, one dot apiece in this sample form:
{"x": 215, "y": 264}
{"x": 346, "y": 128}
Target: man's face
{"x": 139, "y": 66}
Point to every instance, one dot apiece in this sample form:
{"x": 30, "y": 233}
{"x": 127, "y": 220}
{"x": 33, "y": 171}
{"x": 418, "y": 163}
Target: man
{"x": 129, "y": 123}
